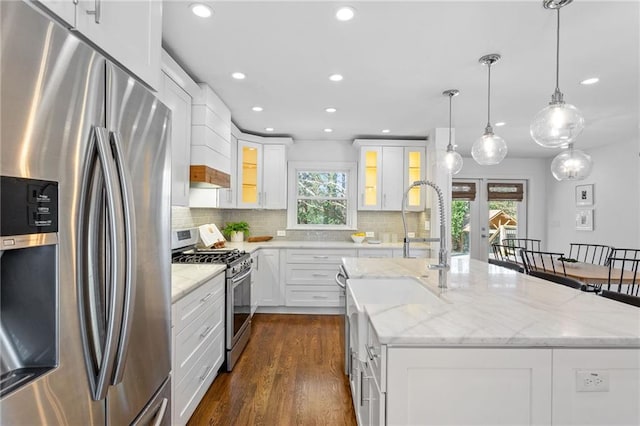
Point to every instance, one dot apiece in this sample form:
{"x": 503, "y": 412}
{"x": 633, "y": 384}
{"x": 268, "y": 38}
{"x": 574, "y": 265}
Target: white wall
{"x": 534, "y": 170}
{"x": 616, "y": 179}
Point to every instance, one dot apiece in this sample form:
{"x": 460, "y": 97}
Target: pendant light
{"x": 490, "y": 148}
{"x": 571, "y": 164}
{"x": 559, "y": 123}
{"x": 452, "y": 159}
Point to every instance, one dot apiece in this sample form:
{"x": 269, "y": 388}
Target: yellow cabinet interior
{"x": 371, "y": 178}
{"x": 249, "y": 175}
{"x": 415, "y": 173}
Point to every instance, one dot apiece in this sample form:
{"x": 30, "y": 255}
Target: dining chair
{"x": 543, "y": 261}
{"x": 507, "y": 264}
{"x": 524, "y": 243}
{"x": 621, "y": 297}
{"x": 623, "y": 271}
{"x": 505, "y": 253}
{"x": 559, "y": 279}
{"x": 596, "y": 254}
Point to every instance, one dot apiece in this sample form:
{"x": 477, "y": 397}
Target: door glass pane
{"x": 414, "y": 175}
{"x": 460, "y": 227}
{"x": 371, "y": 178}
{"x": 249, "y": 175}
{"x": 503, "y": 221}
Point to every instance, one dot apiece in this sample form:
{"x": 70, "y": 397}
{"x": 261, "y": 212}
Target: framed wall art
{"x": 584, "y": 220}
{"x": 584, "y": 195}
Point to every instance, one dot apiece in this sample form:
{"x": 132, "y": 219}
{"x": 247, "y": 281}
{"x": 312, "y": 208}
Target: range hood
{"x": 202, "y": 176}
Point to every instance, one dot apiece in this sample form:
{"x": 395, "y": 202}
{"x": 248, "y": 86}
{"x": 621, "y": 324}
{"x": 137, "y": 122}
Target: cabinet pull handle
{"x": 361, "y": 387}
{"x": 384, "y": 200}
{"x": 320, "y": 257}
{"x": 204, "y": 375}
{"x": 371, "y": 352}
{"x": 207, "y": 297}
{"x": 265, "y": 199}
{"x": 259, "y": 198}
{"x": 321, "y": 275}
{"x": 97, "y": 12}
{"x": 319, "y": 297}
{"x": 205, "y": 332}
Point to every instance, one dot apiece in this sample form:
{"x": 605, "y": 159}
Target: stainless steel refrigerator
{"x": 70, "y": 116}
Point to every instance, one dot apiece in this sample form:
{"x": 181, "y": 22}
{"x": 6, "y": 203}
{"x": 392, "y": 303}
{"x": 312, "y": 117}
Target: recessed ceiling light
{"x": 345, "y": 13}
{"x": 335, "y": 77}
{"x": 269, "y": 129}
{"x": 257, "y": 108}
{"x": 238, "y": 76}
{"x": 588, "y": 81}
{"x": 385, "y": 130}
{"x": 330, "y": 109}
{"x": 201, "y": 10}
{"x": 500, "y": 124}
{"x": 328, "y": 130}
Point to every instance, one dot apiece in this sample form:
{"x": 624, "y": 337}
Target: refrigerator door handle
{"x": 130, "y": 256}
{"x": 100, "y": 361}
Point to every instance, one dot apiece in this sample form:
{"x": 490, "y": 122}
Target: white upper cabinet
{"x": 386, "y": 169}
{"x": 261, "y": 175}
{"x": 179, "y": 101}
{"x": 63, "y": 9}
{"x": 129, "y": 31}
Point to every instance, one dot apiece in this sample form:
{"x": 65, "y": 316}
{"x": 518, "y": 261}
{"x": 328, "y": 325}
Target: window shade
{"x": 505, "y": 191}
{"x": 463, "y": 191}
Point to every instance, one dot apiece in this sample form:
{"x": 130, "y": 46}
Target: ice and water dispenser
{"x": 28, "y": 280}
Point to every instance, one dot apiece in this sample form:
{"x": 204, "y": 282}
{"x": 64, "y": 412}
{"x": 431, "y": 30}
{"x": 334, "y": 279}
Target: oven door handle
{"x": 236, "y": 280}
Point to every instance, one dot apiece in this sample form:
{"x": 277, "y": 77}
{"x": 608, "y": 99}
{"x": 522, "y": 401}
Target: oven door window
{"x": 241, "y": 304}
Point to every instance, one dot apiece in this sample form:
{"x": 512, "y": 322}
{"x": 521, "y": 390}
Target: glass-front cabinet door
{"x": 249, "y": 174}
{"x": 414, "y": 166}
{"x": 370, "y": 178}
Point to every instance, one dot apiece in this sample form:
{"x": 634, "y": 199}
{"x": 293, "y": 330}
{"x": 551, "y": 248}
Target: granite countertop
{"x": 187, "y": 277}
{"x": 486, "y": 305}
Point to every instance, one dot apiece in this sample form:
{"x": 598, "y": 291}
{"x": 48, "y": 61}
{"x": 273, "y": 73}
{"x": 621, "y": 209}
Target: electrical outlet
{"x": 281, "y": 233}
{"x": 411, "y": 234}
{"x": 592, "y": 381}
{"x": 427, "y": 225}
{"x": 369, "y": 234}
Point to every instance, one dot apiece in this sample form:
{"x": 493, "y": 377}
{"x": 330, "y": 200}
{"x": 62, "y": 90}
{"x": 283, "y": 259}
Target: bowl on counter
{"x": 357, "y": 238}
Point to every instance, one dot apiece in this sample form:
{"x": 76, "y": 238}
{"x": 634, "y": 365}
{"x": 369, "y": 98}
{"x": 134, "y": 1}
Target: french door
{"x": 484, "y": 212}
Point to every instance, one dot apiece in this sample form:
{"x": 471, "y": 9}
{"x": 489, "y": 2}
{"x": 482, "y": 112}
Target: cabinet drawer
{"x": 196, "y": 336}
{"x": 377, "y": 355}
{"x": 375, "y": 253}
{"x": 314, "y": 296}
{"x": 301, "y": 273}
{"x": 188, "y": 394}
{"x": 332, "y": 256}
{"x": 193, "y": 304}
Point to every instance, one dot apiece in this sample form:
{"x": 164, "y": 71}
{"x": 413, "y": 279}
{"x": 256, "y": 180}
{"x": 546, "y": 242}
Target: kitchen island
{"x": 499, "y": 347}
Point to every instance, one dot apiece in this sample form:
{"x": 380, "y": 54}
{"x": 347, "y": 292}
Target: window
{"x": 322, "y": 196}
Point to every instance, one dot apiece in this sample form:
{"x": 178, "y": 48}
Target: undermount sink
{"x": 381, "y": 291}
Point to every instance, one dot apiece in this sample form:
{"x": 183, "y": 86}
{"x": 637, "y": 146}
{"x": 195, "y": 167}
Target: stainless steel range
{"x": 238, "y": 287}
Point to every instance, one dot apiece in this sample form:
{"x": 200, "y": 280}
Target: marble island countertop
{"x": 292, "y": 244}
{"x": 489, "y": 306}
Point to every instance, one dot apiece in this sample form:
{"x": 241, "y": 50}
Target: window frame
{"x": 351, "y": 170}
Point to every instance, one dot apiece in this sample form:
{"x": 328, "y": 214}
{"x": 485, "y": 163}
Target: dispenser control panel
{"x": 28, "y": 206}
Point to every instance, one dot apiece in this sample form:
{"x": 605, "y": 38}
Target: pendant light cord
{"x": 450, "y": 98}
{"x": 558, "y": 53}
{"x": 489, "y": 97}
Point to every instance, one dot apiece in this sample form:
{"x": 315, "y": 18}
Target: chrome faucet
{"x": 442, "y": 265}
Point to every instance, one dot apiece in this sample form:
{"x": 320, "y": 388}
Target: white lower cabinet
{"x": 254, "y": 287}
{"x": 310, "y": 277}
{"x": 268, "y": 283}
{"x": 198, "y": 345}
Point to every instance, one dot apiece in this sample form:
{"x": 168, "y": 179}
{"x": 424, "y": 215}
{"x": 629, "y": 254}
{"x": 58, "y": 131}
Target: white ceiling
{"x": 397, "y": 58}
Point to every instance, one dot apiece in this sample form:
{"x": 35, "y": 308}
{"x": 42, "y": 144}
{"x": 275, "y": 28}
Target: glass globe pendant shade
{"x": 489, "y": 149}
{"x": 557, "y": 125}
{"x": 571, "y": 164}
{"x": 452, "y": 161}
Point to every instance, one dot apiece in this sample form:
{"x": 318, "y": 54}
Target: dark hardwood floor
{"x": 291, "y": 373}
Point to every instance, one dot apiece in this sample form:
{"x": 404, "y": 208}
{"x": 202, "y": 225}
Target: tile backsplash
{"x": 267, "y": 222}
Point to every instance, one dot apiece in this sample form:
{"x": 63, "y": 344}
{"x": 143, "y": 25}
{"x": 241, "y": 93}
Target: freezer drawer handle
{"x": 157, "y": 421}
